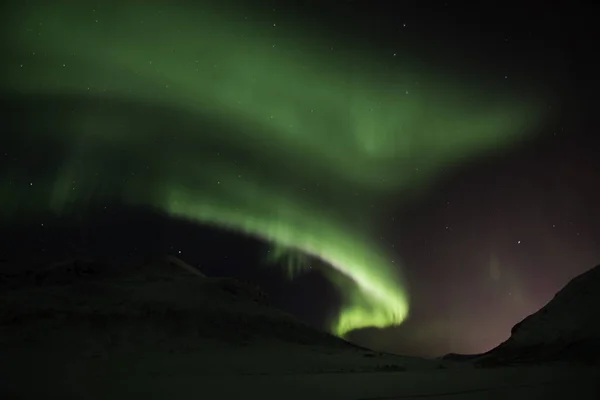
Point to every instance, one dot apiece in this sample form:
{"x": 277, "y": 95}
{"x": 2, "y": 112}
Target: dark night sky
{"x": 487, "y": 243}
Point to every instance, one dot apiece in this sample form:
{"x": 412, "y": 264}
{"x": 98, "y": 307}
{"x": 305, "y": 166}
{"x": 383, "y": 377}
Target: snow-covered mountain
{"x": 166, "y": 309}
{"x": 566, "y": 329}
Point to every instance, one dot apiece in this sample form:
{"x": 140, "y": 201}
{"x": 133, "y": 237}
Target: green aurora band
{"x": 225, "y": 120}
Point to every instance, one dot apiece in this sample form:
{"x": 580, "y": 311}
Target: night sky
{"x": 425, "y": 169}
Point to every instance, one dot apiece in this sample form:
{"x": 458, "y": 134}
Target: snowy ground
{"x": 185, "y": 377}
{"x": 459, "y": 385}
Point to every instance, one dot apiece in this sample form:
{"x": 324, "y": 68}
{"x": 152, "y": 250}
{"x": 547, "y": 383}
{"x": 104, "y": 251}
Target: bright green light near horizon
{"x": 308, "y": 142}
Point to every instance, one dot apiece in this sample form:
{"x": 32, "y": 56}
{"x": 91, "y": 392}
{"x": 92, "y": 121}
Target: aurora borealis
{"x": 228, "y": 119}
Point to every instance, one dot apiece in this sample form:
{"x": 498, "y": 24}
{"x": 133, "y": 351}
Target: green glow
{"x": 231, "y": 123}
{"x": 296, "y": 262}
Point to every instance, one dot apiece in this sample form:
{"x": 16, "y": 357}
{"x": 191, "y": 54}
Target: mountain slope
{"x": 163, "y": 313}
{"x": 566, "y": 329}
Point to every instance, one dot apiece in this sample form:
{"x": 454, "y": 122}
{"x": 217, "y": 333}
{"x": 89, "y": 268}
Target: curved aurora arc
{"x": 355, "y": 132}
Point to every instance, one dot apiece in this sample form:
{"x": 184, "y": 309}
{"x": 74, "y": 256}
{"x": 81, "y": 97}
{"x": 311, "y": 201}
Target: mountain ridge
{"x": 566, "y": 329}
